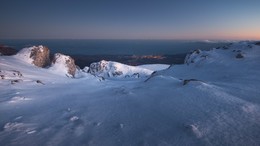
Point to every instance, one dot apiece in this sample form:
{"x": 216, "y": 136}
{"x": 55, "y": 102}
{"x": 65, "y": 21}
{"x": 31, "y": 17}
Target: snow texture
{"x": 211, "y": 100}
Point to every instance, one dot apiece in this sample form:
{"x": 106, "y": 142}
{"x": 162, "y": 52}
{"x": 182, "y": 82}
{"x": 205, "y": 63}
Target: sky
{"x": 130, "y": 19}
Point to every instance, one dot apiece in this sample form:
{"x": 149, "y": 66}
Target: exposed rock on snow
{"x": 13, "y": 76}
{"x": 36, "y": 55}
{"x": 195, "y": 56}
{"x": 185, "y": 82}
{"x": 108, "y": 69}
{"x": 40, "y": 56}
{"x": 257, "y": 43}
{"x": 39, "y": 82}
{"x": 64, "y": 64}
{"x": 239, "y": 55}
{"x": 16, "y": 81}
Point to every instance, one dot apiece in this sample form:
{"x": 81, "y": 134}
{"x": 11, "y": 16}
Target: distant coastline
{"x": 86, "y": 60}
{"x": 130, "y": 52}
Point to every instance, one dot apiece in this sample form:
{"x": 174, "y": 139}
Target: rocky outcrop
{"x": 98, "y": 67}
{"x": 239, "y": 55}
{"x": 64, "y": 63}
{"x": 40, "y": 56}
{"x": 186, "y": 81}
{"x": 110, "y": 69}
{"x": 36, "y": 55}
{"x": 195, "y": 56}
{"x": 5, "y": 50}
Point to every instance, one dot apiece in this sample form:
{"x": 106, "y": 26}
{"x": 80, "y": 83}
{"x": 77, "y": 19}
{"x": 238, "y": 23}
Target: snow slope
{"x": 211, "y": 100}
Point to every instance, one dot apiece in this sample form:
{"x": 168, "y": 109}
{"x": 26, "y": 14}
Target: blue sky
{"x": 130, "y": 19}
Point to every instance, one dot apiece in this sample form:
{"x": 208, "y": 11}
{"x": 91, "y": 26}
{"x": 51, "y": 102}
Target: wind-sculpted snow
{"x": 210, "y": 101}
{"x": 63, "y": 64}
{"x": 110, "y": 69}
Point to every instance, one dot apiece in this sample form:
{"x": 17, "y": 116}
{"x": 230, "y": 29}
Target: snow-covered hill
{"x": 110, "y": 69}
{"x": 36, "y": 55}
{"x": 212, "y": 99}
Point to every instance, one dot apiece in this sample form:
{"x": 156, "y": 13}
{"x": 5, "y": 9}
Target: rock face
{"x": 65, "y": 64}
{"x": 40, "y": 56}
{"x": 5, "y": 50}
{"x": 36, "y": 55}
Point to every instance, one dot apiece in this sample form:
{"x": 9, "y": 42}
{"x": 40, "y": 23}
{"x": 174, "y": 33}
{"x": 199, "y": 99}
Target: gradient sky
{"x": 130, "y": 19}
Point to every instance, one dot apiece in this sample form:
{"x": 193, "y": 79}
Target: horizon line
{"x": 129, "y": 39}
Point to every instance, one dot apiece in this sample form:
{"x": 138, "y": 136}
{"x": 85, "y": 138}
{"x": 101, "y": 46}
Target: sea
{"x": 132, "y": 52}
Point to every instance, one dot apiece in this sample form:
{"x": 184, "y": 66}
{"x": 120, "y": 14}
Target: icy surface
{"x": 211, "y": 100}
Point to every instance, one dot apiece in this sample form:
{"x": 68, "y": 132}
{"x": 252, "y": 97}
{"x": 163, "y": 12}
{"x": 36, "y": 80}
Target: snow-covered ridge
{"x": 110, "y": 69}
{"x": 236, "y": 59}
{"x": 230, "y": 51}
{"x": 65, "y": 65}
{"x": 40, "y": 56}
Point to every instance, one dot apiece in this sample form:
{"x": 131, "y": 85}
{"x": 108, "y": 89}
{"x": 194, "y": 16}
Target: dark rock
{"x": 2, "y": 76}
{"x": 117, "y": 73}
{"x": 18, "y": 73}
{"x": 186, "y": 81}
{"x": 101, "y": 79}
{"x": 239, "y": 55}
{"x": 16, "y": 81}
{"x": 257, "y": 43}
{"x": 39, "y": 82}
{"x": 136, "y": 75}
{"x": 5, "y": 50}
{"x": 197, "y": 51}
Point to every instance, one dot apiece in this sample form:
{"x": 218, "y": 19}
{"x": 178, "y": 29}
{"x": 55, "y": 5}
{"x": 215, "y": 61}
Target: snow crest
{"x": 110, "y": 69}
{"x": 63, "y": 65}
